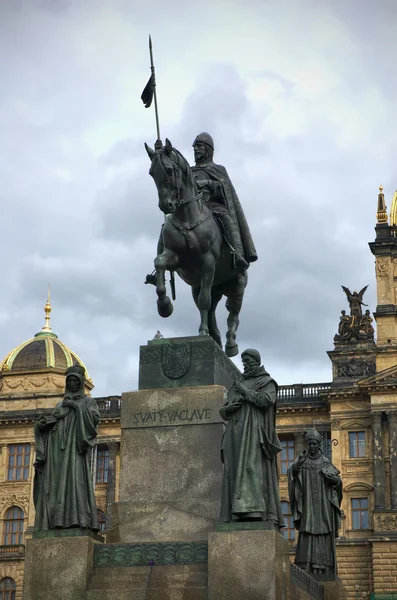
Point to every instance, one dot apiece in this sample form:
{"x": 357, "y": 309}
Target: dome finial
{"x": 47, "y": 309}
{"x": 381, "y": 214}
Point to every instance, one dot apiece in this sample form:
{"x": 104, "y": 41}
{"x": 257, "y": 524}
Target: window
{"x": 18, "y": 462}
{"x": 13, "y": 526}
{"x": 287, "y": 455}
{"x": 101, "y": 519}
{"x": 360, "y": 513}
{"x": 289, "y": 529}
{"x": 7, "y": 589}
{"x": 102, "y": 470}
{"x": 357, "y": 444}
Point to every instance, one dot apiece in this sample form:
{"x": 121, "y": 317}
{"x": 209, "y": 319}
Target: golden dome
{"x": 43, "y": 351}
{"x": 393, "y": 211}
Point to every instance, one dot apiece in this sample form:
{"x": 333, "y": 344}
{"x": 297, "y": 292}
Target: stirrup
{"x": 151, "y": 278}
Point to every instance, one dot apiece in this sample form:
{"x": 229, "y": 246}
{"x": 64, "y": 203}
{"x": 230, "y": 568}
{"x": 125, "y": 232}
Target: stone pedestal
{"x": 334, "y": 590}
{"x": 57, "y": 568}
{"x": 185, "y": 362}
{"x": 171, "y": 472}
{"x": 248, "y": 564}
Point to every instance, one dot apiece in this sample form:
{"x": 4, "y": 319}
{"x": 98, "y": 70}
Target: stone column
{"x": 299, "y": 442}
{"x": 392, "y": 419}
{"x": 111, "y": 486}
{"x": 379, "y": 465}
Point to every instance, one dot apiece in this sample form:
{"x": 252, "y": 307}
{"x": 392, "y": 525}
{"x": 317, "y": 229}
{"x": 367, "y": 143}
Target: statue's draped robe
{"x": 63, "y": 489}
{"x": 227, "y": 196}
{"x": 315, "y": 506}
{"x": 248, "y": 451}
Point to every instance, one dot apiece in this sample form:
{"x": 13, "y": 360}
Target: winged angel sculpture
{"x": 355, "y": 300}
{"x": 356, "y": 327}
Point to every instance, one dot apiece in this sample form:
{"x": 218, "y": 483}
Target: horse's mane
{"x": 184, "y": 165}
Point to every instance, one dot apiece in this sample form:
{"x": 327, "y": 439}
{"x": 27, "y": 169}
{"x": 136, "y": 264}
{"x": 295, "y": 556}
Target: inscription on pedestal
{"x": 172, "y": 417}
{"x": 165, "y": 408}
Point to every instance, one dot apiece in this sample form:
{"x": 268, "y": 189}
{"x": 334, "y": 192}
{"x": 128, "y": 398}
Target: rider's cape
{"x": 219, "y": 173}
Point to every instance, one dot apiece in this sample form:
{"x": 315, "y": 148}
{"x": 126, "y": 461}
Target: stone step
{"x": 120, "y": 571}
{"x": 117, "y": 594}
{"x": 159, "y": 570}
{"x": 169, "y": 573}
{"x": 150, "y": 594}
{"x": 114, "y": 584}
{"x": 120, "y": 578}
{"x": 176, "y": 594}
{"x": 100, "y": 583}
{"x": 173, "y": 582}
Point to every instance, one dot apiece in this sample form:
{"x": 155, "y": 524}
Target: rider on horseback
{"x": 221, "y": 197}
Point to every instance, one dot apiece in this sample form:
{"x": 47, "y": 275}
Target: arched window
{"x": 289, "y": 529}
{"x": 13, "y": 526}
{"x": 7, "y": 589}
{"x": 101, "y": 519}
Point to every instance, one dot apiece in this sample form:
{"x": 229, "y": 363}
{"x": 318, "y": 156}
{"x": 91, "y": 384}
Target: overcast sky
{"x": 300, "y": 99}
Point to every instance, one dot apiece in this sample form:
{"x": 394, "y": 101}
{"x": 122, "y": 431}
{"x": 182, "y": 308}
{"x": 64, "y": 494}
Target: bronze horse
{"x": 194, "y": 247}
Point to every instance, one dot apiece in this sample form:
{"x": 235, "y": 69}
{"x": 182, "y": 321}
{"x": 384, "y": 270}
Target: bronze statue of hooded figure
{"x": 63, "y": 490}
{"x": 249, "y": 448}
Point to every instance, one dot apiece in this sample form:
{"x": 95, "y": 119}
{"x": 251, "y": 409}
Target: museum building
{"x": 356, "y": 411}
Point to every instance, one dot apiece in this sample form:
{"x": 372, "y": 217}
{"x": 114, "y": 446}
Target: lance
{"x": 148, "y": 94}
{"x": 158, "y": 143}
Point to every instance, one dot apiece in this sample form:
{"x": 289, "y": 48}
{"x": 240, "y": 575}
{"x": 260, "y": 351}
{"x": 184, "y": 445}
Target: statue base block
{"x": 171, "y": 472}
{"x": 334, "y": 590}
{"x": 246, "y": 525}
{"x": 185, "y": 362}
{"x": 57, "y": 567}
{"x": 71, "y": 532}
{"x": 248, "y": 564}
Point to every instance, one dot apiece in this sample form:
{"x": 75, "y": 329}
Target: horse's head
{"x": 173, "y": 177}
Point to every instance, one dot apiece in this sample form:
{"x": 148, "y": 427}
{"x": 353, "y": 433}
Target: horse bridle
{"x": 176, "y": 180}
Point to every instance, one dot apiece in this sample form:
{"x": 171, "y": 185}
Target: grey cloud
{"x": 87, "y": 219}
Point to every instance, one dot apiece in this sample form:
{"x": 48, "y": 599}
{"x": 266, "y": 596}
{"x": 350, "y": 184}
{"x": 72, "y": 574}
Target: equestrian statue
{"x": 205, "y": 237}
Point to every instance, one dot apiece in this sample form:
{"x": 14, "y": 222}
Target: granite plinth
{"x": 247, "y": 526}
{"x": 68, "y": 532}
{"x": 334, "y": 590}
{"x": 57, "y": 567}
{"x": 171, "y": 472}
{"x": 185, "y": 362}
{"x": 249, "y": 564}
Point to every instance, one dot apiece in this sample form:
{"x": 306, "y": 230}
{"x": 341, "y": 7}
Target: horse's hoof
{"x": 165, "y": 307}
{"x": 231, "y": 350}
{"x": 203, "y": 332}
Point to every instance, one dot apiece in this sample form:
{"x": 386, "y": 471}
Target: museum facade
{"x": 356, "y": 411}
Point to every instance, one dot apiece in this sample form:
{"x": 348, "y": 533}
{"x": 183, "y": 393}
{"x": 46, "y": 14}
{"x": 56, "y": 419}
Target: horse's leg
{"x": 212, "y": 324}
{"x": 233, "y": 305}
{"x": 195, "y": 294}
{"x": 167, "y": 260}
{"x": 204, "y": 297}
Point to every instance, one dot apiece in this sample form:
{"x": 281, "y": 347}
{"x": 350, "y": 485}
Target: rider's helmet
{"x": 207, "y": 140}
